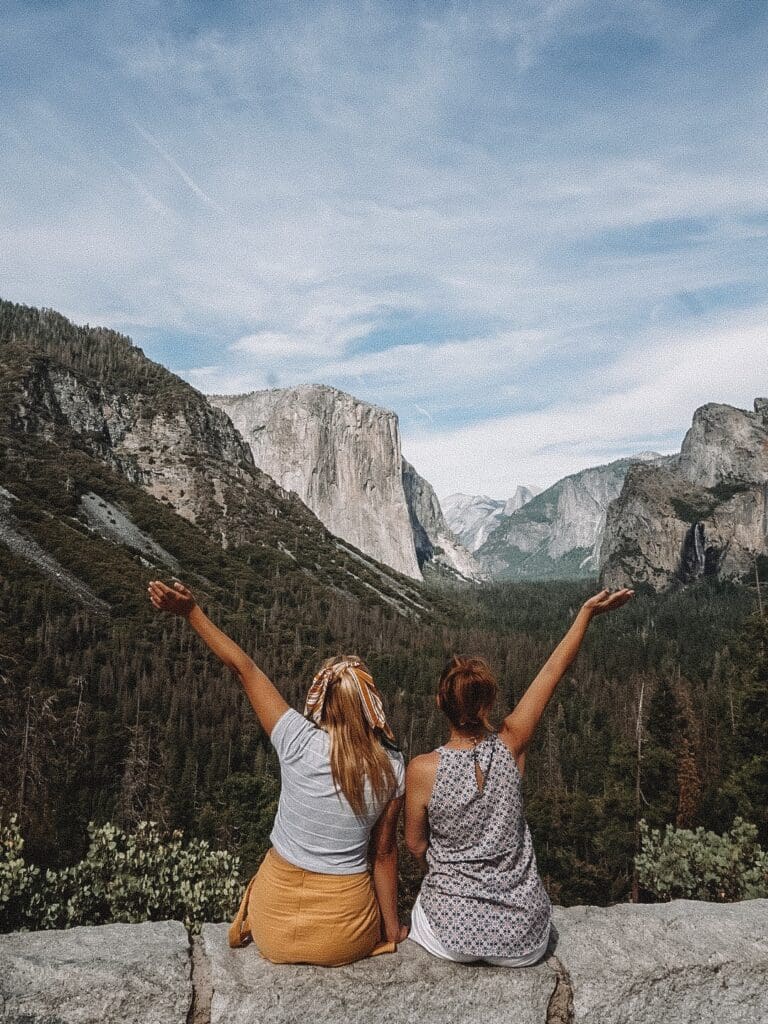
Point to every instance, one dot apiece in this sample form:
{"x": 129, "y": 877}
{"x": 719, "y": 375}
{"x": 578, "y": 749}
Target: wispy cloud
{"x": 188, "y": 181}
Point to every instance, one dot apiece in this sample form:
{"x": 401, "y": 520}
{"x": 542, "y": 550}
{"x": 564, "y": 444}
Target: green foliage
{"x": 19, "y": 881}
{"x": 126, "y": 718}
{"x": 142, "y": 876}
{"x": 698, "y": 864}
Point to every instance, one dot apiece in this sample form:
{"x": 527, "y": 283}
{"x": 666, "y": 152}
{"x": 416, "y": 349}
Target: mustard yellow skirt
{"x": 303, "y": 917}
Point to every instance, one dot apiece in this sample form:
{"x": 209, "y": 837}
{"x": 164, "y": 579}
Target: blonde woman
{"x": 326, "y": 890}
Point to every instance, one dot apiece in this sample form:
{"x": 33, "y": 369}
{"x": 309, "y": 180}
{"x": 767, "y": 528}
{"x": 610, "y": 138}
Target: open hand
{"x": 177, "y": 600}
{"x": 607, "y": 600}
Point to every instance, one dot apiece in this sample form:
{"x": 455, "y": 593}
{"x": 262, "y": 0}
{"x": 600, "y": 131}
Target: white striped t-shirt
{"x": 315, "y": 827}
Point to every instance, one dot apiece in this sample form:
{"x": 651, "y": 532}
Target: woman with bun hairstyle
{"x": 482, "y": 898}
{"x": 314, "y": 898}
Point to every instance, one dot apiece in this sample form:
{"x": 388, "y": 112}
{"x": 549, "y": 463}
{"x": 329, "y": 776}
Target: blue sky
{"x": 538, "y": 231}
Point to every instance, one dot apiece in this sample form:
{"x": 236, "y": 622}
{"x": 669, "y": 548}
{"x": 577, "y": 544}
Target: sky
{"x": 537, "y": 230}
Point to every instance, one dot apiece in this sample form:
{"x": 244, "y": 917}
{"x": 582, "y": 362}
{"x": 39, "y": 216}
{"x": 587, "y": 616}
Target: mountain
{"x": 79, "y": 400}
{"x": 343, "y": 458}
{"x": 436, "y": 544}
{"x": 701, "y": 513}
{"x": 114, "y": 471}
{"x": 472, "y": 518}
{"x": 557, "y": 534}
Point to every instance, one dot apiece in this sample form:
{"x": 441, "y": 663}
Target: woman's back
{"x": 482, "y": 894}
{"x": 315, "y": 827}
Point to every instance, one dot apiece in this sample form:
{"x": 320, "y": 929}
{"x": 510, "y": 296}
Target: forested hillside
{"x": 110, "y": 712}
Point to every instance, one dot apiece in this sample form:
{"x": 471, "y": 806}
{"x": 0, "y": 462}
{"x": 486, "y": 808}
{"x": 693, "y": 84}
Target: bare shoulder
{"x": 423, "y": 763}
{"x": 421, "y": 770}
{"x": 420, "y": 776}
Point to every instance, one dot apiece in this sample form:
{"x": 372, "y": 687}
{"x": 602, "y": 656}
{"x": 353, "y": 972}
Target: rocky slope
{"x": 684, "y": 962}
{"x": 557, "y": 534}
{"x": 703, "y": 513}
{"x": 342, "y": 457}
{"x": 88, "y": 396}
{"x": 473, "y": 517}
{"x": 436, "y": 543}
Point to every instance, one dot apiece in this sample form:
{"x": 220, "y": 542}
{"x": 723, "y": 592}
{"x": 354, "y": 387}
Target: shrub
{"x": 123, "y": 877}
{"x": 697, "y": 864}
{"x": 19, "y": 881}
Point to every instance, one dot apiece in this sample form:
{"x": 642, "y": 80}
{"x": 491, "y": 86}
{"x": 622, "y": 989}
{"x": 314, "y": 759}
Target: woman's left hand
{"x": 401, "y": 935}
{"x": 177, "y": 600}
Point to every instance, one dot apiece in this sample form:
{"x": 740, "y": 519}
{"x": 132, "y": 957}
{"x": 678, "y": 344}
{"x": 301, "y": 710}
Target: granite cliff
{"x": 342, "y": 457}
{"x": 701, "y": 513}
{"x": 436, "y": 544}
{"x": 557, "y": 534}
{"x": 683, "y": 962}
{"x": 473, "y": 517}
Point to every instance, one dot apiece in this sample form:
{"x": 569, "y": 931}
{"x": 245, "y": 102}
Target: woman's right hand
{"x": 177, "y": 600}
{"x": 607, "y": 600}
{"x": 400, "y": 935}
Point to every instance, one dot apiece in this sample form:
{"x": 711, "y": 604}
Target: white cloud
{"x": 645, "y": 399}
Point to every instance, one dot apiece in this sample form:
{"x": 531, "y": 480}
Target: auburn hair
{"x": 467, "y": 692}
{"x": 357, "y": 754}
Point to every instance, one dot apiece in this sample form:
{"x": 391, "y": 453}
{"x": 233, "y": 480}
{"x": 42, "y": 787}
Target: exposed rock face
{"x": 521, "y": 497}
{"x": 110, "y": 974}
{"x": 473, "y": 517}
{"x": 435, "y": 542}
{"x": 340, "y": 455}
{"x": 726, "y": 446}
{"x": 557, "y": 534}
{"x": 685, "y": 962}
{"x": 30, "y": 551}
{"x": 705, "y": 513}
{"x": 343, "y": 459}
{"x": 185, "y": 453}
{"x": 111, "y": 523}
{"x": 679, "y": 961}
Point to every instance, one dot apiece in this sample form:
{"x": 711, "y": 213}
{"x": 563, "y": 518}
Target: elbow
{"x": 385, "y": 849}
{"x": 243, "y": 667}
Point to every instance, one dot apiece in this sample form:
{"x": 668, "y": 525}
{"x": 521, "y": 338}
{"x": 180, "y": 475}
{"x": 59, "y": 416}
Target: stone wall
{"x": 671, "y": 963}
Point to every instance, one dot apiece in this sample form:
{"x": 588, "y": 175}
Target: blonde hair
{"x": 356, "y": 751}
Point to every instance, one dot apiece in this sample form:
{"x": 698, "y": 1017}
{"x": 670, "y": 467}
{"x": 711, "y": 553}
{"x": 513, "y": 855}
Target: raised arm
{"x": 520, "y": 724}
{"x": 265, "y": 698}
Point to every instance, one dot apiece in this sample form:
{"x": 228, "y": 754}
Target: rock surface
{"x": 340, "y": 455}
{"x": 558, "y": 533}
{"x": 112, "y": 974}
{"x": 684, "y": 962}
{"x": 408, "y": 986}
{"x": 435, "y": 541}
{"x": 473, "y": 517}
{"x": 704, "y": 513}
{"x": 681, "y": 962}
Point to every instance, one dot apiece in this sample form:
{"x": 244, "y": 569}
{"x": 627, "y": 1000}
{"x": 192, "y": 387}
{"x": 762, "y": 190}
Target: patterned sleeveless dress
{"x": 482, "y": 894}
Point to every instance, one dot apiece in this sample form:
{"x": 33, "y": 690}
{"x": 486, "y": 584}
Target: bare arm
{"x": 265, "y": 698}
{"x": 384, "y": 857}
{"x": 419, "y": 780}
{"x": 520, "y": 725}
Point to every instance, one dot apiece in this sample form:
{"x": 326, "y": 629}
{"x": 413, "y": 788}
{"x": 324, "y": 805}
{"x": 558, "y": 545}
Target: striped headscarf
{"x": 370, "y": 698}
